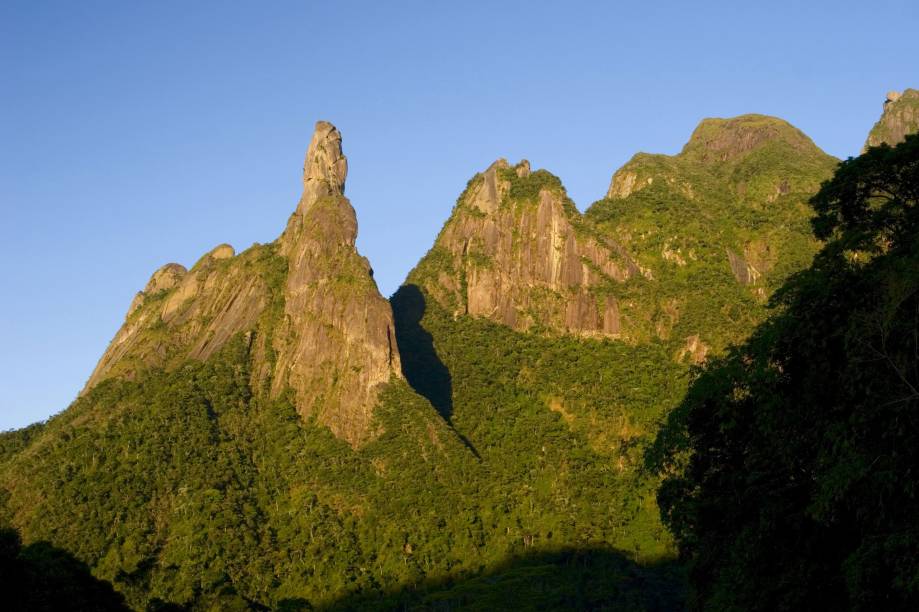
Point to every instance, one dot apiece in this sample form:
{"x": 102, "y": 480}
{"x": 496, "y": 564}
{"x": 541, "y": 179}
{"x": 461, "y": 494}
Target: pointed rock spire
{"x": 335, "y": 346}
{"x": 332, "y": 347}
{"x": 325, "y": 168}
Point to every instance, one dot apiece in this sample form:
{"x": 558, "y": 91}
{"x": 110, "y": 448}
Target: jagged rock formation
{"x": 515, "y": 250}
{"x": 188, "y": 314}
{"x": 728, "y": 215}
{"x": 336, "y": 344}
{"x": 308, "y": 305}
{"x": 900, "y": 117}
{"x": 188, "y": 489}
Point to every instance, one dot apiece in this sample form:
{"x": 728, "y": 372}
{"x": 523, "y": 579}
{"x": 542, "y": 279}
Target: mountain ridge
{"x": 517, "y": 251}
{"x": 267, "y": 431}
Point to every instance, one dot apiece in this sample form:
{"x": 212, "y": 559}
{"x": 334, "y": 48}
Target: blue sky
{"x": 134, "y": 134}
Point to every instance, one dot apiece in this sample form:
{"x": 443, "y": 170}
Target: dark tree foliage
{"x": 871, "y": 201}
{"x": 792, "y": 463}
{"x": 573, "y": 579}
{"x": 41, "y": 577}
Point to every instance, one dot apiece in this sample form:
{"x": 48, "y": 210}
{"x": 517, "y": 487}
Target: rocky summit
{"x": 516, "y": 250}
{"x": 336, "y": 341}
{"x": 900, "y": 117}
{"x": 310, "y": 310}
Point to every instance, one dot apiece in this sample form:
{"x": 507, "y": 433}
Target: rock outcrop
{"x": 336, "y": 345}
{"x": 516, "y": 251}
{"x": 676, "y": 240}
{"x": 187, "y": 314}
{"x": 307, "y": 305}
{"x": 900, "y": 117}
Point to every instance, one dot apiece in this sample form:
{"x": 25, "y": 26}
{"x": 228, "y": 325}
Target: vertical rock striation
{"x": 516, "y": 251}
{"x": 336, "y": 344}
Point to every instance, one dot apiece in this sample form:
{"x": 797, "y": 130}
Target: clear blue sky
{"x": 138, "y": 133}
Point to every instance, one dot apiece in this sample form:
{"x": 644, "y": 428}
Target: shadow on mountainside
{"x": 423, "y": 369}
{"x": 42, "y": 577}
{"x": 589, "y": 579}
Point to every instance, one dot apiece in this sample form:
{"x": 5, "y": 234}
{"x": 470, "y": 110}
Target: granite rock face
{"x": 516, "y": 251}
{"x": 677, "y": 241}
{"x": 307, "y": 306}
{"x": 185, "y": 315}
{"x": 900, "y": 117}
{"x": 336, "y": 345}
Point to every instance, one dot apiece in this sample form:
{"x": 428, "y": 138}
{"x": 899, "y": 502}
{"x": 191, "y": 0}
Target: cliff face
{"x": 516, "y": 251}
{"x": 900, "y": 117}
{"x": 307, "y": 304}
{"x": 683, "y": 249}
{"x": 189, "y": 314}
{"x": 336, "y": 345}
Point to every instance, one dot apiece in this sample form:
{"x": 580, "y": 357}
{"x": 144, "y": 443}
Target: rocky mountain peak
{"x": 516, "y": 250}
{"x": 899, "y": 118}
{"x": 314, "y": 320}
{"x": 164, "y": 278}
{"x": 336, "y": 343}
{"x": 721, "y": 140}
{"x": 325, "y": 167}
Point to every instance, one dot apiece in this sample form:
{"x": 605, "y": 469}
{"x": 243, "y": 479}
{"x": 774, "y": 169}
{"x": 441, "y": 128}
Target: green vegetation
{"x": 188, "y": 487}
{"x": 527, "y": 188}
{"x": 685, "y": 212}
{"x": 901, "y": 117}
{"x": 791, "y": 463}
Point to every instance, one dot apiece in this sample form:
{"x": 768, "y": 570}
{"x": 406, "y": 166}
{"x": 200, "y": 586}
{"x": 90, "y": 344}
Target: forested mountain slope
{"x": 791, "y": 464}
{"x": 719, "y": 226}
{"x": 206, "y": 479}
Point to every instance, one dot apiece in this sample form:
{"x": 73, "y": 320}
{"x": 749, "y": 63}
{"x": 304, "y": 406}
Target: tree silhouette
{"x": 791, "y": 466}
